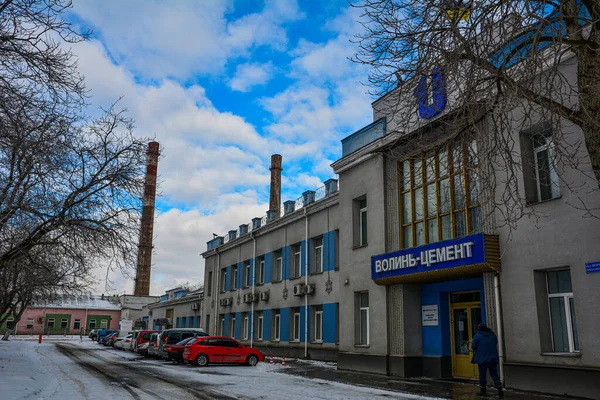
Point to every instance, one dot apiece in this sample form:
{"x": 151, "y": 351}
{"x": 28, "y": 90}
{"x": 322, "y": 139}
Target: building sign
{"x": 593, "y": 267}
{"x": 470, "y": 254}
{"x": 125, "y": 325}
{"x": 429, "y": 315}
{"x": 438, "y": 95}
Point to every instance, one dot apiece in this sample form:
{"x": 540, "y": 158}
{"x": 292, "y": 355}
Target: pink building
{"x": 69, "y": 316}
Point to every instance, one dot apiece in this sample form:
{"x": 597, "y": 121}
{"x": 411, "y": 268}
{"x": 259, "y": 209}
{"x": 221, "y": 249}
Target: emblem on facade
{"x": 328, "y": 286}
{"x": 439, "y": 96}
{"x": 285, "y": 293}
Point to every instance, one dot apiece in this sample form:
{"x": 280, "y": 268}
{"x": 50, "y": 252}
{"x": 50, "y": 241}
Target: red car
{"x": 176, "y": 350}
{"x": 220, "y": 349}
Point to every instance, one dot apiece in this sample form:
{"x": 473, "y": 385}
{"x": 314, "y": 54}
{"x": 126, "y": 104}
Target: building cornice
{"x": 365, "y": 153}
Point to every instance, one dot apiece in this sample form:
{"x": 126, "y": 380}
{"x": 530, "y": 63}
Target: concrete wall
{"x": 355, "y": 267}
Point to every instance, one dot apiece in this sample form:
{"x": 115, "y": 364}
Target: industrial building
{"x": 177, "y": 308}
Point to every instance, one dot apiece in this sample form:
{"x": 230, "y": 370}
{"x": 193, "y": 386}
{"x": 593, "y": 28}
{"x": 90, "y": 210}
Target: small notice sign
{"x": 590, "y": 268}
{"x": 429, "y": 315}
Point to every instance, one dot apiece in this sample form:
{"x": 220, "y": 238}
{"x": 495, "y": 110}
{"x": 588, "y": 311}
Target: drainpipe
{"x": 499, "y": 326}
{"x": 253, "y": 286}
{"x": 217, "y": 292}
{"x": 306, "y": 283}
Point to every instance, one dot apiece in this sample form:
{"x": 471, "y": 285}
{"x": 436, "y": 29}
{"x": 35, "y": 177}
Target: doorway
{"x": 465, "y": 315}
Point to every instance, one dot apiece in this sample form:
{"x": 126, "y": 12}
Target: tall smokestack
{"x": 142, "y": 278}
{"x": 275, "y": 195}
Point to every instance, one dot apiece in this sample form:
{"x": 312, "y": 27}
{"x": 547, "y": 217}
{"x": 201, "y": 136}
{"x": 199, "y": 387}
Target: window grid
{"x": 223, "y": 280}
{"x": 363, "y": 223}
{"x": 277, "y": 326}
{"x": 567, "y": 302}
{"x": 247, "y": 274}
{"x": 103, "y": 324}
{"x": 245, "y": 328}
{"x": 222, "y": 325}
{"x": 319, "y": 255}
{"x": 550, "y": 188}
{"x": 261, "y": 271}
{"x": 363, "y": 318}
{"x": 319, "y": 326}
{"x": 92, "y": 324}
{"x": 232, "y": 327}
{"x": 234, "y": 279}
{"x": 279, "y": 269}
{"x": 259, "y": 333}
{"x": 296, "y": 326}
{"x": 297, "y": 261}
{"x": 448, "y": 171}
{"x": 77, "y": 324}
{"x": 50, "y": 323}
{"x": 29, "y": 323}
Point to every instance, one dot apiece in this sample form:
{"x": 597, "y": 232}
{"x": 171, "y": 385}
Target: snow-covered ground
{"x": 85, "y": 370}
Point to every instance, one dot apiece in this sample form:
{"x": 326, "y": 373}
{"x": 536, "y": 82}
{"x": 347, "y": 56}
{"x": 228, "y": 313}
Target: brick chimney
{"x": 275, "y": 194}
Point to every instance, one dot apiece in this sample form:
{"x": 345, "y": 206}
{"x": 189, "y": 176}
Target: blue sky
{"x": 222, "y": 85}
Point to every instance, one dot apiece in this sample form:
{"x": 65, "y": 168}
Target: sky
{"x": 222, "y": 85}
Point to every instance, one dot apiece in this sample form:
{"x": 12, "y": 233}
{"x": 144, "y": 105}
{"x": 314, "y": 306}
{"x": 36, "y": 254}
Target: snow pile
{"x": 92, "y": 302}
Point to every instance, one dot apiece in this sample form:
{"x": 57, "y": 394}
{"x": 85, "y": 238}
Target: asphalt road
{"x": 136, "y": 379}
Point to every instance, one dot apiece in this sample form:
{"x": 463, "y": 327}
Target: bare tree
{"x": 507, "y": 65}
{"x": 70, "y": 186}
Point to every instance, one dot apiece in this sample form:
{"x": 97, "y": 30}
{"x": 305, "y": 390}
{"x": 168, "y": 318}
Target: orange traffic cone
{"x": 283, "y": 361}
{"x": 271, "y": 360}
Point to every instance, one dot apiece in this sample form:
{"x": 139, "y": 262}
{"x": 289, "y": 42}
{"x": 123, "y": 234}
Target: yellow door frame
{"x": 468, "y": 306}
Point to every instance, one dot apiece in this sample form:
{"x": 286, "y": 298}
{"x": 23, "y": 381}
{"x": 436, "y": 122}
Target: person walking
{"x": 485, "y": 355}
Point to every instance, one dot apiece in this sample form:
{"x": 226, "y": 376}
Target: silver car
{"x": 152, "y": 350}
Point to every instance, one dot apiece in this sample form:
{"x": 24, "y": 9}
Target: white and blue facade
{"x": 256, "y": 281}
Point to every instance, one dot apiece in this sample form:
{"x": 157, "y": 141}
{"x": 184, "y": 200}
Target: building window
{"x": 222, "y": 325}
{"x": 29, "y": 323}
{"x": 103, "y": 324}
{"x": 50, "y": 323}
{"x": 232, "y": 327}
{"x": 234, "y": 278}
{"x": 278, "y": 266}
{"x": 77, "y": 324}
{"x": 259, "y": 326}
{"x": 546, "y": 177}
{"x": 318, "y": 323}
{"x": 276, "y": 325}
{"x": 10, "y": 323}
{"x": 223, "y": 280}
{"x": 260, "y": 271}
{"x": 562, "y": 312}
{"x": 209, "y": 284}
{"x": 92, "y": 324}
{"x": 247, "y": 274}
{"x": 64, "y": 323}
{"x": 363, "y": 318}
{"x": 440, "y": 194}
{"x": 296, "y": 325}
{"x": 362, "y": 220}
{"x": 296, "y": 261}
{"x": 245, "y": 327}
{"x": 318, "y": 252}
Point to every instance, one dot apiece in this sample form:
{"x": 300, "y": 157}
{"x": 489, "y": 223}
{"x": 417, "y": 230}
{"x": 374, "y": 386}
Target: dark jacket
{"x": 485, "y": 347}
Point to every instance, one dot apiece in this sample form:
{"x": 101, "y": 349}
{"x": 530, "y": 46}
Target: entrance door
{"x": 464, "y": 320}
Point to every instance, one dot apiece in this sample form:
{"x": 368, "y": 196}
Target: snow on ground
{"x": 30, "y": 370}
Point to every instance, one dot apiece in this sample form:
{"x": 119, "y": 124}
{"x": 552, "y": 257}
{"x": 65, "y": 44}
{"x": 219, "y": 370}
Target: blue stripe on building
{"x": 329, "y": 323}
{"x": 238, "y": 325}
{"x": 284, "y": 323}
{"x": 228, "y": 273}
{"x": 268, "y": 267}
{"x": 225, "y": 325}
{"x": 267, "y": 324}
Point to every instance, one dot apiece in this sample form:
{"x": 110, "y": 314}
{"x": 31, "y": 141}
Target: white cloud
{"x": 249, "y": 75}
{"x": 157, "y": 39}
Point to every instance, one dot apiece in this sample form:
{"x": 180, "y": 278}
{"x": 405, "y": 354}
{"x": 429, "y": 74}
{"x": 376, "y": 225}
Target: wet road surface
{"x": 138, "y": 380}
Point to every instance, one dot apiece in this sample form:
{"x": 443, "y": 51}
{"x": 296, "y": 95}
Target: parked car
{"x": 103, "y": 332}
{"x": 172, "y": 336}
{"x": 124, "y": 342}
{"x": 142, "y": 337}
{"x": 175, "y": 351}
{"x": 133, "y": 341}
{"x": 142, "y": 349}
{"x": 107, "y": 340}
{"x": 152, "y": 350}
{"x": 220, "y": 349}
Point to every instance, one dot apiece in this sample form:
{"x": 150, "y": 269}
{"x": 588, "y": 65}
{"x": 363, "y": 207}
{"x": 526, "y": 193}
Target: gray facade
{"x": 542, "y": 349}
{"x": 256, "y": 283}
{"x": 176, "y": 309}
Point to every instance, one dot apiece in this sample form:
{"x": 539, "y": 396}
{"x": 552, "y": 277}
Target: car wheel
{"x": 252, "y": 360}
{"x": 202, "y": 360}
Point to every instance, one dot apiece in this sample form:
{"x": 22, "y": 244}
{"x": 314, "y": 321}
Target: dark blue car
{"x": 103, "y": 332}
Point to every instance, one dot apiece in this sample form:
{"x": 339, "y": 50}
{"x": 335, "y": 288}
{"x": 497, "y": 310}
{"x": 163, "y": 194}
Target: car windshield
{"x": 184, "y": 341}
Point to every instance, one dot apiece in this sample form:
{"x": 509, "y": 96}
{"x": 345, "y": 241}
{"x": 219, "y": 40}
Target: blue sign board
{"x": 451, "y": 253}
{"x": 590, "y": 268}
